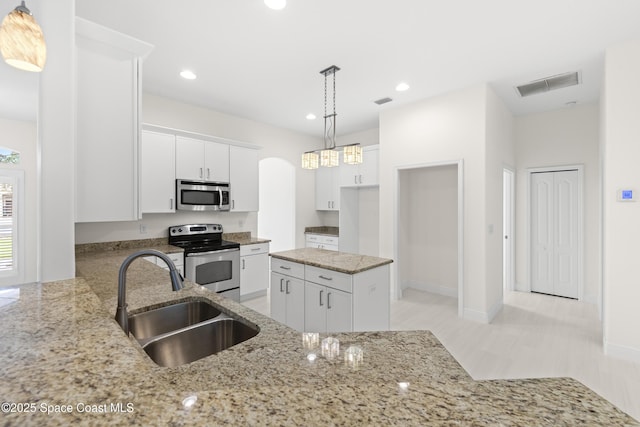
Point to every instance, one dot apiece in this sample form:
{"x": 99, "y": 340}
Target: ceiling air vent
{"x": 549, "y": 83}
{"x": 383, "y": 101}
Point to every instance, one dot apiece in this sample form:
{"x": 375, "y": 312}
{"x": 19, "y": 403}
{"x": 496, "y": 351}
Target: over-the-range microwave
{"x": 202, "y": 195}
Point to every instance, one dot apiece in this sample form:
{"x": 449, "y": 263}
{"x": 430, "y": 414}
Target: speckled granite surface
{"x": 61, "y": 347}
{"x": 343, "y": 262}
{"x": 323, "y": 229}
{"x": 244, "y": 238}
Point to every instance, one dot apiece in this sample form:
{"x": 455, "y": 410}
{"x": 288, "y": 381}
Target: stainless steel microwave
{"x": 202, "y": 196}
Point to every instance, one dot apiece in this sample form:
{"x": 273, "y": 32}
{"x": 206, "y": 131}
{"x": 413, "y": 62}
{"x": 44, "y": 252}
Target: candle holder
{"x": 330, "y": 347}
{"x": 310, "y": 340}
{"x": 353, "y": 356}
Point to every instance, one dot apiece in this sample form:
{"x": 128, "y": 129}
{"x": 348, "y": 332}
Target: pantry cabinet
{"x": 158, "y": 172}
{"x": 108, "y": 92}
{"x": 201, "y": 160}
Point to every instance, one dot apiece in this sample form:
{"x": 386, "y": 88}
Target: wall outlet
{"x": 143, "y": 229}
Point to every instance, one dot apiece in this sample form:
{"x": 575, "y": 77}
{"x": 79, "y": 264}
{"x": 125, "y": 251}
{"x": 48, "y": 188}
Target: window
{"x": 10, "y": 226}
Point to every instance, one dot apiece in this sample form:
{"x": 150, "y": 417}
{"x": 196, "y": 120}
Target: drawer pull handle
{"x": 325, "y": 278}
{"x": 287, "y": 287}
{"x": 255, "y": 249}
{"x": 321, "y": 298}
{"x": 281, "y": 282}
{"x": 329, "y": 301}
{"x": 285, "y": 268}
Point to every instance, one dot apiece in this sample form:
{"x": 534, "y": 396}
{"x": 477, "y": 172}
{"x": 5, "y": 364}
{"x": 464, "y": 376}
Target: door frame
{"x": 511, "y": 276}
{"x": 580, "y": 169}
{"x": 397, "y": 292}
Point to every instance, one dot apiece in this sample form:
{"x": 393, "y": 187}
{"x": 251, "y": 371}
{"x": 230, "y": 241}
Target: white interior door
{"x": 508, "y": 272}
{"x": 554, "y": 233}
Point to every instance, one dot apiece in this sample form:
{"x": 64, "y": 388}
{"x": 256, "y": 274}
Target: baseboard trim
{"x": 253, "y": 295}
{"x": 432, "y": 288}
{"x": 622, "y": 352}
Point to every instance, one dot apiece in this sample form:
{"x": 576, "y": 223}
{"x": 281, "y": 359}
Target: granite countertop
{"x": 244, "y": 238}
{"x": 343, "y": 262}
{"x": 62, "y": 350}
{"x": 324, "y": 230}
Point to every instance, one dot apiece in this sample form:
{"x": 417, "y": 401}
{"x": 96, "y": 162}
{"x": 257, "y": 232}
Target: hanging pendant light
{"x": 21, "y": 40}
{"x": 352, "y": 155}
{"x": 309, "y": 160}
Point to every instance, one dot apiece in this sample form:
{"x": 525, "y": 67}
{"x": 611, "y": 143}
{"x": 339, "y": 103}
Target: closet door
{"x": 554, "y": 233}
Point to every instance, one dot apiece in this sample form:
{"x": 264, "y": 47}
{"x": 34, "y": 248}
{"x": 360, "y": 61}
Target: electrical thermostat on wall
{"x": 627, "y": 195}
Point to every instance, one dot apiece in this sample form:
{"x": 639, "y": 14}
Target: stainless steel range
{"x": 208, "y": 260}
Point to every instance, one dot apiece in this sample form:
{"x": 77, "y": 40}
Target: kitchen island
{"x": 65, "y": 361}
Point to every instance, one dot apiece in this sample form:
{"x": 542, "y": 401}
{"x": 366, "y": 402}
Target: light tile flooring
{"x": 535, "y": 336}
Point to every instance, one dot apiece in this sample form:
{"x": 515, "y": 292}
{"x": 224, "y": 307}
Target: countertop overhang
{"x": 342, "y": 262}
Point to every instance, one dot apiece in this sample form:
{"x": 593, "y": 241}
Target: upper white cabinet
{"x": 158, "y": 172}
{"x": 201, "y": 160}
{"x": 328, "y": 189}
{"x": 108, "y": 70}
{"x": 243, "y": 164}
{"x": 364, "y": 174}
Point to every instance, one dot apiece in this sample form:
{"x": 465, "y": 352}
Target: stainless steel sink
{"x": 196, "y": 342}
{"x": 170, "y": 318}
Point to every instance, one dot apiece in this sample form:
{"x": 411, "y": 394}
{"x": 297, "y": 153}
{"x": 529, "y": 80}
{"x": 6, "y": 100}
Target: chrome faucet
{"x": 122, "y": 316}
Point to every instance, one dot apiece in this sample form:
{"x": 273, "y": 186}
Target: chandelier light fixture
{"x": 329, "y": 156}
{"x": 21, "y": 40}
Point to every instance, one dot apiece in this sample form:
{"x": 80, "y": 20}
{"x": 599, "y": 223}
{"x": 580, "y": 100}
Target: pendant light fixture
{"x": 21, "y": 40}
{"x": 329, "y": 157}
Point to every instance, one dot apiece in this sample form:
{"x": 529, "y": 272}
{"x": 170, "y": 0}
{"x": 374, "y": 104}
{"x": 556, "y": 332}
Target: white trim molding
{"x": 622, "y": 352}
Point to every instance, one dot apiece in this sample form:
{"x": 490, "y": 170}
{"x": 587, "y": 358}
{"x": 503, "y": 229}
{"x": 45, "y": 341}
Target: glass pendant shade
{"x": 21, "y": 41}
{"x": 329, "y": 158}
{"x": 352, "y": 155}
{"x": 310, "y": 161}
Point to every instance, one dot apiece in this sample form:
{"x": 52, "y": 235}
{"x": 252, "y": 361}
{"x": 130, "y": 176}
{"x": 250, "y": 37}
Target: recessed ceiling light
{"x": 311, "y": 116}
{"x": 276, "y": 4}
{"x": 402, "y": 87}
{"x": 187, "y": 74}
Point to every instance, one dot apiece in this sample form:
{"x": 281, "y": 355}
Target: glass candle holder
{"x": 330, "y": 347}
{"x": 310, "y": 340}
{"x": 353, "y": 356}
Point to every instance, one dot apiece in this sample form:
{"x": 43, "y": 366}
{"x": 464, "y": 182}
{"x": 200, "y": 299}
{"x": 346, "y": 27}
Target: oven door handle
{"x": 197, "y": 254}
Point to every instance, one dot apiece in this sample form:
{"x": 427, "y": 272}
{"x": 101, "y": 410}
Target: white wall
{"x": 555, "y": 138}
{"x": 500, "y": 153}
{"x": 441, "y": 129}
{"x": 276, "y": 142}
{"x": 428, "y": 244}
{"x": 621, "y": 245}
{"x": 21, "y": 136}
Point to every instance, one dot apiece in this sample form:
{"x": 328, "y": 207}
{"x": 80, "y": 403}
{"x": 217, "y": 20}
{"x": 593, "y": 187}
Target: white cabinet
{"x": 177, "y": 258}
{"x": 108, "y": 70}
{"x": 243, "y": 165}
{"x": 364, "y": 174}
{"x": 328, "y": 189}
{"x": 326, "y": 309}
{"x": 320, "y": 241}
{"x": 158, "y": 172}
{"x": 287, "y": 293}
{"x": 201, "y": 160}
{"x": 254, "y": 270}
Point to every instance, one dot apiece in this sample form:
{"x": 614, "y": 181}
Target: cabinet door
{"x": 294, "y": 289}
{"x": 216, "y": 162}
{"x": 243, "y": 164}
{"x": 158, "y": 173}
{"x": 328, "y": 189}
{"x": 189, "y": 158}
{"x": 278, "y": 309}
{"x": 349, "y": 175}
{"x": 339, "y": 311}
{"x": 368, "y": 174}
{"x": 254, "y": 273}
{"x": 315, "y": 308}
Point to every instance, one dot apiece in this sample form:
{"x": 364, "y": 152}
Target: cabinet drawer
{"x": 259, "y": 248}
{"x": 330, "y": 278}
{"x": 330, "y": 240}
{"x": 288, "y": 268}
{"x": 177, "y": 258}
{"x": 313, "y": 238}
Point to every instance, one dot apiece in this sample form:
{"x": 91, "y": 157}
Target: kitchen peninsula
{"x": 62, "y": 349}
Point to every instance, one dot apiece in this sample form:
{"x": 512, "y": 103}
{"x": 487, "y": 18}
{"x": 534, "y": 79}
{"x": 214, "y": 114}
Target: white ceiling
{"x": 264, "y": 65}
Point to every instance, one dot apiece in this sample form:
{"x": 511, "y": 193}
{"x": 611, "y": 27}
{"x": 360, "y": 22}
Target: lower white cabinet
{"x": 313, "y": 299}
{"x": 287, "y": 293}
{"x": 254, "y": 270}
{"x": 177, "y": 258}
{"x": 326, "y": 309}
